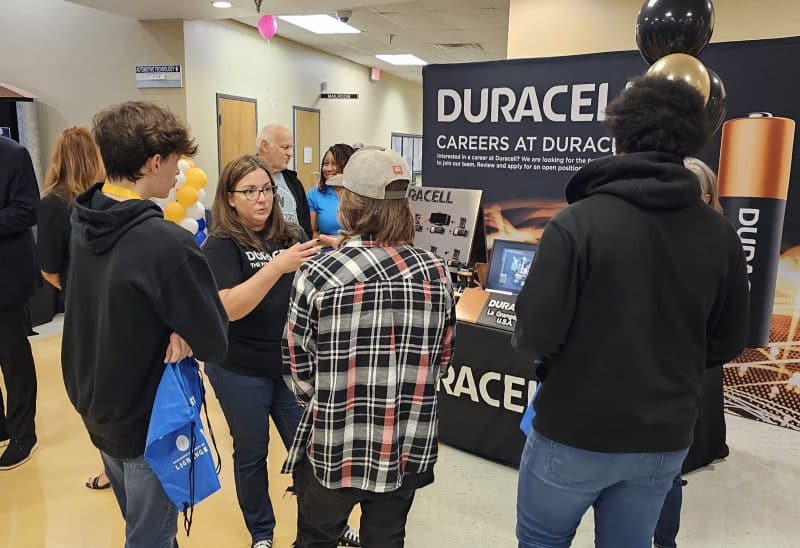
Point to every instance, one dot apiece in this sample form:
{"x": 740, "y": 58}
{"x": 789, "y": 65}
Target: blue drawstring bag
{"x": 526, "y": 425}
{"x": 176, "y": 448}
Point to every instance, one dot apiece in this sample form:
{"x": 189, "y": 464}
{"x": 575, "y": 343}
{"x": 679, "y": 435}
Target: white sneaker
{"x": 263, "y": 544}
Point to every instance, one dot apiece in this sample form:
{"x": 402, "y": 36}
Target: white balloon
{"x": 160, "y": 201}
{"x": 183, "y": 165}
{"x": 180, "y": 180}
{"x": 171, "y": 196}
{"x": 190, "y": 225}
{"x": 202, "y": 197}
{"x": 196, "y": 211}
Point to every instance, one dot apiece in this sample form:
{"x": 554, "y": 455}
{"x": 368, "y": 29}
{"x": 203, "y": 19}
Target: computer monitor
{"x": 511, "y": 262}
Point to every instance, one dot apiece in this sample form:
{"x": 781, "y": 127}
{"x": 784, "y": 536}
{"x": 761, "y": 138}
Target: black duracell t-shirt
{"x": 254, "y": 341}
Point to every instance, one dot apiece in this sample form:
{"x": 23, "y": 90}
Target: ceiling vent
{"x": 459, "y": 47}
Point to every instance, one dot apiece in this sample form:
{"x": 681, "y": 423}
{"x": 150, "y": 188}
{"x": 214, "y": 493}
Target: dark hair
{"x": 128, "y": 134}
{"x": 226, "y": 220}
{"x": 341, "y": 154}
{"x": 658, "y": 115}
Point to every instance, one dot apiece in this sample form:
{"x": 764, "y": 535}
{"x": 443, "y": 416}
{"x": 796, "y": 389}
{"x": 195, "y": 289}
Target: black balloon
{"x": 674, "y": 26}
{"x": 717, "y": 105}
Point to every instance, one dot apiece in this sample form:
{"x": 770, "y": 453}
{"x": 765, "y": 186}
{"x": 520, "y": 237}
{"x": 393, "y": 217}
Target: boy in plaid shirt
{"x": 370, "y": 331}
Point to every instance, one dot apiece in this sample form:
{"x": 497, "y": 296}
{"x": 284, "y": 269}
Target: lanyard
{"x": 120, "y": 192}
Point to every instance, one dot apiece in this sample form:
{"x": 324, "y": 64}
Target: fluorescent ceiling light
{"x": 403, "y": 59}
{"x": 222, "y": 4}
{"x": 319, "y": 24}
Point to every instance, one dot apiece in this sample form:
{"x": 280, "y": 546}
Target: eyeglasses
{"x": 252, "y": 194}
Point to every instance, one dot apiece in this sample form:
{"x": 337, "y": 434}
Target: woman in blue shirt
{"x": 323, "y": 200}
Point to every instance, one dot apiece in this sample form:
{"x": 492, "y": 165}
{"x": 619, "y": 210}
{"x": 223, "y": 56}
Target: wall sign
{"x": 338, "y": 95}
{"x": 159, "y": 76}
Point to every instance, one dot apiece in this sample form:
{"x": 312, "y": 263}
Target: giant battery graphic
{"x": 754, "y": 169}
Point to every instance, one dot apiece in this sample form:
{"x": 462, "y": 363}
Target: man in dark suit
{"x": 19, "y": 195}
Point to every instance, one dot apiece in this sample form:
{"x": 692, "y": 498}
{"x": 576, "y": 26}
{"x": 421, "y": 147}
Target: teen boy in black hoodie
{"x": 636, "y": 288}
{"x": 140, "y": 294}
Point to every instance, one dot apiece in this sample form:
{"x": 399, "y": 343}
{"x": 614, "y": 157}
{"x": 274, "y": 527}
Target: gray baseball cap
{"x": 336, "y": 180}
{"x": 371, "y": 169}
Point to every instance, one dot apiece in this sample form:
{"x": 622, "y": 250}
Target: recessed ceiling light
{"x": 402, "y": 59}
{"x": 319, "y": 24}
{"x": 222, "y": 4}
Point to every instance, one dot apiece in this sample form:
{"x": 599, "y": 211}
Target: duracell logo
{"x": 432, "y": 196}
{"x": 584, "y": 102}
{"x": 748, "y": 219}
{"x": 259, "y": 258}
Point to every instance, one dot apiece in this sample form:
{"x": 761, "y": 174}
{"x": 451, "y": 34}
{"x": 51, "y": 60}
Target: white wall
{"x": 231, "y": 58}
{"x": 545, "y": 28}
{"x": 79, "y": 60}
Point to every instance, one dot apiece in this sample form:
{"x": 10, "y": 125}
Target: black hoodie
{"x": 636, "y": 288}
{"x": 134, "y": 279}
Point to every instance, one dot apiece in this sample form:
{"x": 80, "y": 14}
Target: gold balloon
{"x": 187, "y": 195}
{"x": 174, "y": 212}
{"x": 196, "y": 177}
{"x": 680, "y": 66}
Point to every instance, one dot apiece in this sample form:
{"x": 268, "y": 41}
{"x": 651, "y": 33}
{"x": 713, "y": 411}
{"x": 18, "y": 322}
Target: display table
{"x": 483, "y": 396}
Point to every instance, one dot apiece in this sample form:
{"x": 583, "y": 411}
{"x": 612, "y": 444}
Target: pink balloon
{"x": 267, "y": 26}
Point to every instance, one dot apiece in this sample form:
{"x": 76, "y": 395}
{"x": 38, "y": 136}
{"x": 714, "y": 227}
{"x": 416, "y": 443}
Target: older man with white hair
{"x": 275, "y": 145}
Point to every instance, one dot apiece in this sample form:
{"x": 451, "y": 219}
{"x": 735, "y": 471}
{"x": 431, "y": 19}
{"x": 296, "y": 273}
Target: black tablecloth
{"x": 484, "y": 361}
{"x": 485, "y": 364}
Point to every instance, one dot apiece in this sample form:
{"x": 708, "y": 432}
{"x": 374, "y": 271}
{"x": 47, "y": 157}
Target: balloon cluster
{"x": 670, "y": 35}
{"x": 184, "y": 204}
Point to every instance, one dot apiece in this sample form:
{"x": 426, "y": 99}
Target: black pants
{"x": 323, "y": 513}
{"x": 19, "y": 374}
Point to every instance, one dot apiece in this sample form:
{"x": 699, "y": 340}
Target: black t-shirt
{"x": 53, "y": 232}
{"x": 254, "y": 342}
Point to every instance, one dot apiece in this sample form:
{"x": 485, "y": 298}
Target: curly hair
{"x": 341, "y": 154}
{"x": 658, "y": 115}
{"x": 130, "y": 133}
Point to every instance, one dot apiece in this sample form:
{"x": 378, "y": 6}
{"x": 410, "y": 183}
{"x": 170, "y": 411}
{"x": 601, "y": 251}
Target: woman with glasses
{"x": 254, "y": 253}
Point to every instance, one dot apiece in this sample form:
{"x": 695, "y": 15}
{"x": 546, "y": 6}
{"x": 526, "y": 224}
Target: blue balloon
{"x": 200, "y": 237}
{"x": 201, "y": 224}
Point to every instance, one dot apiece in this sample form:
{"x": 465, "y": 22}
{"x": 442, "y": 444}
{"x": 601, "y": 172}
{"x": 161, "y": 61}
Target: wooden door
{"x": 237, "y": 126}
{"x": 306, "y": 145}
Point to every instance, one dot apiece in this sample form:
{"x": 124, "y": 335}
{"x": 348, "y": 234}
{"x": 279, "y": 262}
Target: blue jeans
{"x": 247, "y": 403}
{"x": 558, "y": 483}
{"x": 151, "y": 520}
{"x": 669, "y": 522}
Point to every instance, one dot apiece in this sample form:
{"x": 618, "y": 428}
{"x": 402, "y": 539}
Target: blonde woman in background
{"x": 709, "y": 442}
{"x": 708, "y": 181}
{"x": 75, "y": 166}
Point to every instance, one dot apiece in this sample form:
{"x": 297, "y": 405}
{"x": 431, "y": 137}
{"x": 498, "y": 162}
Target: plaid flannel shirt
{"x": 370, "y": 332}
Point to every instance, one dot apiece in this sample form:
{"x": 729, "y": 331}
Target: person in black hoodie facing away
{"x": 637, "y": 287}
{"x": 140, "y": 294}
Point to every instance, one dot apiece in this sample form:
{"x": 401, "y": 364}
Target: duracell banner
{"x": 519, "y": 129}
